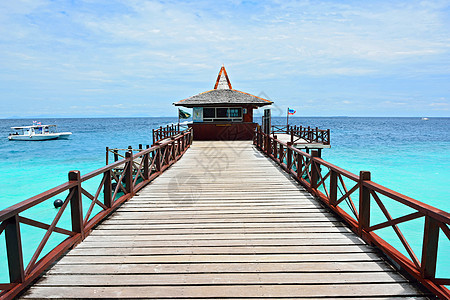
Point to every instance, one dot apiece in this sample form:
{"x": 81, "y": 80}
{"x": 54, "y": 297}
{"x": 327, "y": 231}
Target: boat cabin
{"x": 223, "y": 113}
{"x": 34, "y": 129}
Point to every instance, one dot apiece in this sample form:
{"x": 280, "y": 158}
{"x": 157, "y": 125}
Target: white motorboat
{"x": 37, "y": 132}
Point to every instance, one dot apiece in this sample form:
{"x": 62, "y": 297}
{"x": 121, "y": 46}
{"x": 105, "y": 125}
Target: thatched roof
{"x": 223, "y": 94}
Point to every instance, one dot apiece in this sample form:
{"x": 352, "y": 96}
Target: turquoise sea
{"x": 408, "y": 155}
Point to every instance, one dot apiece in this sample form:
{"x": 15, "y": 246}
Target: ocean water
{"x": 408, "y": 155}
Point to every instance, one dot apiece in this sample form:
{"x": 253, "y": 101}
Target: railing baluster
{"x": 364, "y": 202}
{"x": 14, "y": 250}
{"x": 430, "y": 247}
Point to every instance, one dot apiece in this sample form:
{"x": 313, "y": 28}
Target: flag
{"x": 183, "y": 115}
{"x": 291, "y": 111}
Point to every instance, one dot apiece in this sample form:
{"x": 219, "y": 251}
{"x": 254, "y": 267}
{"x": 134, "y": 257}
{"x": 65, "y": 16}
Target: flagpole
{"x": 287, "y": 117}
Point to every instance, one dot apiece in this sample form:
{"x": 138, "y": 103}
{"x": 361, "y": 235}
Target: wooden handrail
{"x": 314, "y": 174}
{"x": 311, "y": 135}
{"x": 169, "y": 131}
{"x": 136, "y": 176}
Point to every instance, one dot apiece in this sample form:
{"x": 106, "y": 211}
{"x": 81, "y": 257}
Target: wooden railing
{"x": 338, "y": 188}
{"x": 163, "y": 133}
{"x": 310, "y": 135}
{"x": 113, "y": 190}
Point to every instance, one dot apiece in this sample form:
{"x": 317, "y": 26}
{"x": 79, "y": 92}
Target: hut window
{"x": 221, "y": 112}
{"x": 235, "y": 112}
{"x": 209, "y": 112}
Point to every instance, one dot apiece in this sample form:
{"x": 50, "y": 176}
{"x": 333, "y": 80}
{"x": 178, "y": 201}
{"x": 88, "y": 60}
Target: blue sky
{"x": 135, "y": 58}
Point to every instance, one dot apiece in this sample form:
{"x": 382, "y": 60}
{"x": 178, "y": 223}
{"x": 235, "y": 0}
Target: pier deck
{"x": 223, "y": 222}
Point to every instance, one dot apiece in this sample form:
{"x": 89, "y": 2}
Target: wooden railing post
{"x": 167, "y": 154}
{"x": 333, "y": 187}
{"x": 116, "y": 156}
{"x": 364, "y": 202}
{"x": 259, "y": 139}
{"x": 129, "y": 172}
{"x": 158, "y": 158}
{"x": 107, "y": 189}
{"x": 14, "y": 250}
{"x": 289, "y": 155}
{"x": 280, "y": 155}
{"x": 107, "y": 155}
{"x": 76, "y": 205}
{"x": 314, "y": 169}
{"x": 299, "y": 164}
{"x": 274, "y": 146}
{"x": 146, "y": 166}
{"x": 174, "y": 153}
{"x": 430, "y": 248}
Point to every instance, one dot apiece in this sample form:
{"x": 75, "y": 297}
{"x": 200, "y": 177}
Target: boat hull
{"x": 40, "y": 137}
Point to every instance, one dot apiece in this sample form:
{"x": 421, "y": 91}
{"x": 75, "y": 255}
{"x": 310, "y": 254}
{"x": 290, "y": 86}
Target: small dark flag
{"x": 183, "y": 115}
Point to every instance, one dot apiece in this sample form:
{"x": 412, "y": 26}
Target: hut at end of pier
{"x": 223, "y": 113}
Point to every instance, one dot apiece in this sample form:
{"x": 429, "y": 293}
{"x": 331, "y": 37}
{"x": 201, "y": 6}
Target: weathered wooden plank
{"x": 227, "y": 291}
{"x": 223, "y": 250}
{"x": 133, "y": 224}
{"x": 121, "y": 241}
{"x": 209, "y": 231}
{"x": 182, "y": 268}
{"x": 221, "y": 279}
{"x": 235, "y": 258}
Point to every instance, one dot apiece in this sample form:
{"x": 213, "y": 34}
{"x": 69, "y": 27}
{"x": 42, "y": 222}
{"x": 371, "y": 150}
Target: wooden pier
{"x": 225, "y": 221}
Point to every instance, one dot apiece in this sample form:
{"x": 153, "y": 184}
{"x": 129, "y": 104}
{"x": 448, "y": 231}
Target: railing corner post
{"x": 76, "y": 204}
{"x": 14, "y": 250}
{"x": 364, "y": 202}
{"x": 430, "y": 248}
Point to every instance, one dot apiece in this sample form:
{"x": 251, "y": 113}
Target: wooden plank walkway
{"x": 223, "y": 222}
